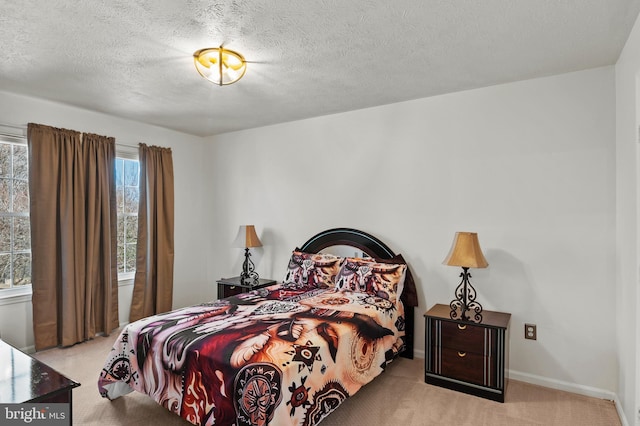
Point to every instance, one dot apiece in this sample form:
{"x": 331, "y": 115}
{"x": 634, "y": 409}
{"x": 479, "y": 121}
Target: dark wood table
{"x": 231, "y": 286}
{"x": 25, "y": 379}
{"x": 467, "y": 356}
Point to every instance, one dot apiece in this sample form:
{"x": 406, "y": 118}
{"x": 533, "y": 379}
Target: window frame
{"x": 20, "y": 293}
{"x": 127, "y": 152}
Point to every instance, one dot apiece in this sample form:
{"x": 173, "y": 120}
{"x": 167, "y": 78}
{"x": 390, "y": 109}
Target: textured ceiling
{"x": 133, "y": 59}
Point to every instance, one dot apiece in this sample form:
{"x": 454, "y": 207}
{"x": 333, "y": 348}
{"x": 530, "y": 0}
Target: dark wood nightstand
{"x": 466, "y": 356}
{"x": 231, "y": 286}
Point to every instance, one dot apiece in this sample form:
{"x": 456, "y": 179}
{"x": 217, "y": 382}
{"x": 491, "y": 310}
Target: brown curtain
{"x": 73, "y": 239}
{"x": 153, "y": 284}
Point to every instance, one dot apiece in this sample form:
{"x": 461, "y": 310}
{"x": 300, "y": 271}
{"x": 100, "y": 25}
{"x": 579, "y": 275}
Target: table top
{"x": 489, "y": 318}
{"x": 24, "y": 378}
{"x": 236, "y": 281}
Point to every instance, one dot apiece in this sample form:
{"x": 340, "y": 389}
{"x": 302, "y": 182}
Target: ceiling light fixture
{"x": 219, "y": 65}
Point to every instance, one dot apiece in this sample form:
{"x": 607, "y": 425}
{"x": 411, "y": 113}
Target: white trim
{"x": 29, "y": 349}
{"x": 127, "y": 152}
{"x": 125, "y": 281}
{"x": 571, "y": 387}
{"x": 623, "y": 418}
{"x": 9, "y": 296}
{"x": 14, "y": 135}
{"x": 561, "y": 385}
{"x": 14, "y": 132}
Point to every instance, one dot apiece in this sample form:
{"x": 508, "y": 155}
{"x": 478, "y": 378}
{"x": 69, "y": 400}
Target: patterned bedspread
{"x": 276, "y": 355}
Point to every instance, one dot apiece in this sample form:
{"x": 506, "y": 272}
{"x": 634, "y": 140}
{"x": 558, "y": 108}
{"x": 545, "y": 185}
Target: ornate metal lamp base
{"x": 248, "y": 276}
{"x": 465, "y": 300}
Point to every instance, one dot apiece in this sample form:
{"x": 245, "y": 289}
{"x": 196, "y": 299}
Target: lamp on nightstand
{"x": 466, "y": 252}
{"x": 247, "y": 238}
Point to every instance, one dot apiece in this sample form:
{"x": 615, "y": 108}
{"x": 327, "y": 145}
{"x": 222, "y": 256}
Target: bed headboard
{"x": 348, "y": 237}
{"x": 373, "y": 247}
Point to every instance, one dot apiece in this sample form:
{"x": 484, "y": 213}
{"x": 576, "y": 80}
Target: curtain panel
{"x": 73, "y": 235}
{"x": 153, "y": 283}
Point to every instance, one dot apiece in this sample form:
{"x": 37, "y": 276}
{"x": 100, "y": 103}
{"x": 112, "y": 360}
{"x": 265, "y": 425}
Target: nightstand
{"x": 231, "y": 286}
{"x": 466, "y": 356}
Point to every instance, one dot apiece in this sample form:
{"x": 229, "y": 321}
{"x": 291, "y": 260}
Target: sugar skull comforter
{"x": 278, "y": 355}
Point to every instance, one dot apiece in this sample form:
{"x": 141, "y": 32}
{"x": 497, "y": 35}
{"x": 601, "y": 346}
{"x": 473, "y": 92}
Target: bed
{"x": 287, "y": 354}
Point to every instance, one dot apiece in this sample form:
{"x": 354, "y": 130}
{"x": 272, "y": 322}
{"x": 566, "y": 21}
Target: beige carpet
{"x": 398, "y": 397}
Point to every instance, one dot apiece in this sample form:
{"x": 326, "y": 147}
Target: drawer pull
{"x": 462, "y": 354}
{"x": 233, "y": 287}
{"x": 462, "y": 326}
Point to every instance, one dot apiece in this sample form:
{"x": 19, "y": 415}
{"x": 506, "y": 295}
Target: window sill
{"x": 126, "y": 278}
{"x": 125, "y": 282}
{"x": 15, "y": 295}
{"x": 10, "y": 296}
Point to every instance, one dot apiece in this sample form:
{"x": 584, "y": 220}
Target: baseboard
{"x": 623, "y": 418}
{"x": 29, "y": 349}
{"x": 561, "y": 385}
{"x": 571, "y": 387}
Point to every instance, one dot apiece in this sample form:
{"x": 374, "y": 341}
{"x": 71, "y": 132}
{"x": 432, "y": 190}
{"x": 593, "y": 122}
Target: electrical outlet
{"x": 530, "y": 332}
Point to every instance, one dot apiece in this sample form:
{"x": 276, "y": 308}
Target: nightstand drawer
{"x": 465, "y": 366}
{"x": 230, "y": 290}
{"x": 464, "y": 337}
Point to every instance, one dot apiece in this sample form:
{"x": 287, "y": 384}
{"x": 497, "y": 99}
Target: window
{"x": 127, "y": 194}
{"x": 15, "y": 233}
{"x": 15, "y": 230}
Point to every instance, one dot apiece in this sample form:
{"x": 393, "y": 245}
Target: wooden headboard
{"x": 373, "y": 247}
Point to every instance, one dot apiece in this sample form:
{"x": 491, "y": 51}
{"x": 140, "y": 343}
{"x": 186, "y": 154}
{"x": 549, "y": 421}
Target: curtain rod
{"x": 23, "y": 133}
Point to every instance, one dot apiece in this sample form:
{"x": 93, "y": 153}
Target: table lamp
{"x": 246, "y": 239}
{"x": 465, "y": 252}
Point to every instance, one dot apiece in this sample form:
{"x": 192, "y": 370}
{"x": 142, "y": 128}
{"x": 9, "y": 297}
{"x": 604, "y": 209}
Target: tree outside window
{"x": 127, "y": 194}
{"x": 15, "y": 231}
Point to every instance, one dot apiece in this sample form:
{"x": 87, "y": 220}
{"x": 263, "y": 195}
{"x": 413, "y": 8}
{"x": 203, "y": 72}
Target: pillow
{"x": 315, "y": 270}
{"x": 385, "y": 280}
{"x": 409, "y": 295}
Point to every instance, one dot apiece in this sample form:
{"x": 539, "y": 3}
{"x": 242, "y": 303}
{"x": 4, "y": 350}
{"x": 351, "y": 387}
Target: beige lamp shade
{"x": 247, "y": 237}
{"x": 465, "y": 251}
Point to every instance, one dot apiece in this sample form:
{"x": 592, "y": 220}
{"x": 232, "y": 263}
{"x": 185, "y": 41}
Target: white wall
{"x": 190, "y": 285}
{"x": 530, "y": 166}
{"x": 628, "y": 302}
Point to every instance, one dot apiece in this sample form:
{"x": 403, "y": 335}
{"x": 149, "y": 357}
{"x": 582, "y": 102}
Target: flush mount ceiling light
{"x": 219, "y": 65}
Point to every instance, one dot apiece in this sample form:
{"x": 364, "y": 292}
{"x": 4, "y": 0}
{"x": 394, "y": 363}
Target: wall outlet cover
{"x": 530, "y": 332}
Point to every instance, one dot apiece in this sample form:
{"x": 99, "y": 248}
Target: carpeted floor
{"x": 398, "y": 397}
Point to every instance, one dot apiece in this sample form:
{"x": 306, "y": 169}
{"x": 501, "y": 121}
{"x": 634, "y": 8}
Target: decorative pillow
{"x": 409, "y": 295}
{"x": 385, "y": 280}
{"x": 316, "y": 270}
